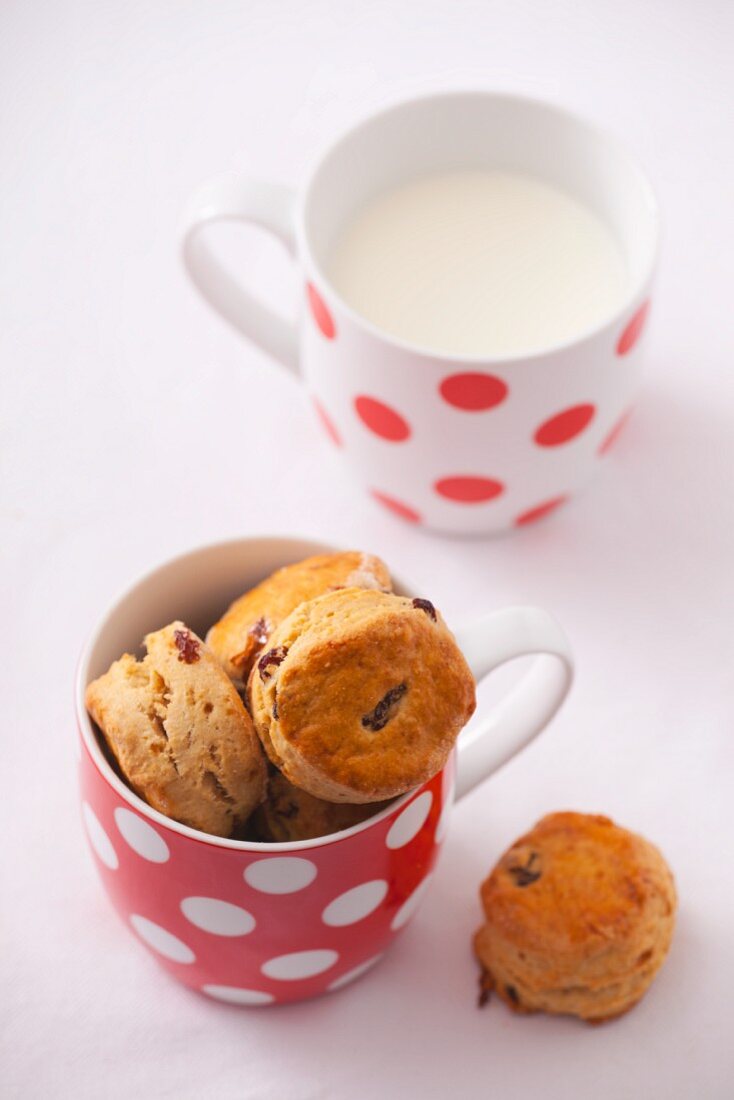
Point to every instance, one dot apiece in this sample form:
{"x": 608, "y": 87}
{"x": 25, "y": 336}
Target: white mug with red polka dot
{"x": 251, "y": 923}
{"x": 458, "y": 444}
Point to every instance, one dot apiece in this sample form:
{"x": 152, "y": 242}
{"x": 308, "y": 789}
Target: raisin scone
{"x": 579, "y": 916}
{"x": 245, "y": 628}
{"x": 180, "y": 733}
{"x": 289, "y": 813}
{"x": 361, "y": 695}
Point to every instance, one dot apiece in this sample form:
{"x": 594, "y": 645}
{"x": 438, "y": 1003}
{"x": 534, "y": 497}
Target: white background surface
{"x": 134, "y": 425}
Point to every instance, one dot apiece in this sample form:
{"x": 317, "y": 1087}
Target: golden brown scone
{"x": 361, "y": 695}
{"x": 244, "y": 629}
{"x": 180, "y": 732}
{"x": 288, "y": 813}
{"x": 579, "y": 915}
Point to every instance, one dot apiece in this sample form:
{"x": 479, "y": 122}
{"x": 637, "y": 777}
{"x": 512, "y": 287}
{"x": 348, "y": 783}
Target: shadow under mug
{"x": 252, "y": 923}
{"x": 519, "y": 433}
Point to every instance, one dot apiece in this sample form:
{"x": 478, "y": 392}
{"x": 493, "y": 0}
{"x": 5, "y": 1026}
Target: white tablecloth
{"x": 136, "y": 425}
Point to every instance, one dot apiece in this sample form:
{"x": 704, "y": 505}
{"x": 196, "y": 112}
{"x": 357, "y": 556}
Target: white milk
{"x": 482, "y": 263}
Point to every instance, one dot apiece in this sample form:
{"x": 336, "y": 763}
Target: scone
{"x": 288, "y": 813}
{"x": 180, "y": 732}
{"x": 245, "y": 628}
{"x": 579, "y": 916}
{"x": 361, "y": 695}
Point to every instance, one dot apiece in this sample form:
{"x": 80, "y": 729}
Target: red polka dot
{"x": 327, "y": 424}
{"x": 632, "y": 333}
{"x": 539, "y": 511}
{"x": 564, "y": 426}
{"x": 381, "y": 419}
{"x": 469, "y": 489}
{"x": 396, "y": 506}
{"x": 615, "y": 433}
{"x": 321, "y": 315}
{"x": 473, "y": 392}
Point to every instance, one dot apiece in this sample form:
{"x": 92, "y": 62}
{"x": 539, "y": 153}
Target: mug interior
{"x": 483, "y": 130}
{"x": 196, "y": 587}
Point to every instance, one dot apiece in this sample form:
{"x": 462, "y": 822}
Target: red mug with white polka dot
{"x": 256, "y": 924}
{"x": 458, "y": 443}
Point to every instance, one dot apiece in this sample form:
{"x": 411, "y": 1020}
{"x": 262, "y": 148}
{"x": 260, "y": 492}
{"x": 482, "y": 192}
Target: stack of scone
{"x": 320, "y": 695}
{"x": 353, "y": 694}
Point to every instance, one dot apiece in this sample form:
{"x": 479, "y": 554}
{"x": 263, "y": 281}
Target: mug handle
{"x": 487, "y": 643}
{"x": 267, "y": 205}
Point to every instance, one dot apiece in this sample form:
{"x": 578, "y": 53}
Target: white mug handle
{"x": 268, "y": 205}
{"x": 487, "y": 643}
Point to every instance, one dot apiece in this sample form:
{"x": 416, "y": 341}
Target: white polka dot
{"x": 221, "y": 918}
{"x": 355, "y": 904}
{"x": 408, "y": 908}
{"x": 443, "y": 823}
{"x": 165, "y": 943}
{"x": 234, "y": 996}
{"x": 352, "y": 975}
{"x": 98, "y": 838}
{"x": 301, "y": 964}
{"x": 280, "y": 875}
{"x": 141, "y": 836}
{"x": 410, "y": 822}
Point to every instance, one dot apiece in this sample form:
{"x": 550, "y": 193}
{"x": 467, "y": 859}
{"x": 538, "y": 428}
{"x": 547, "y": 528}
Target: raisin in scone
{"x": 289, "y": 813}
{"x": 579, "y": 916}
{"x": 361, "y": 695}
{"x": 180, "y": 733}
{"x": 246, "y": 627}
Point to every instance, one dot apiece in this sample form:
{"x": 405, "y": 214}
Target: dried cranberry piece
{"x": 425, "y": 605}
{"x": 187, "y": 645}
{"x": 288, "y": 811}
{"x": 486, "y": 988}
{"x": 260, "y": 631}
{"x": 378, "y": 718}
{"x": 525, "y": 876}
{"x": 272, "y": 658}
{"x": 256, "y": 638}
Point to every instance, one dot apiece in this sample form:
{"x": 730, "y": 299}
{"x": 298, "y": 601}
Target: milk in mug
{"x": 479, "y": 263}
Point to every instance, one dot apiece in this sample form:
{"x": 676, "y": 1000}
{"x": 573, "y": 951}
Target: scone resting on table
{"x": 289, "y": 814}
{"x": 246, "y": 627}
{"x": 361, "y": 695}
{"x": 579, "y": 916}
{"x": 180, "y": 733}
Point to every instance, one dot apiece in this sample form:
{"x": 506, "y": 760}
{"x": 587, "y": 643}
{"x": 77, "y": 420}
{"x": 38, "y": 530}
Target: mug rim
{"x": 91, "y": 742}
{"x": 634, "y": 294}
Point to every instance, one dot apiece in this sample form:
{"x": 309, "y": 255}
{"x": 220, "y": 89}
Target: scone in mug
{"x": 459, "y": 444}
{"x": 253, "y": 923}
